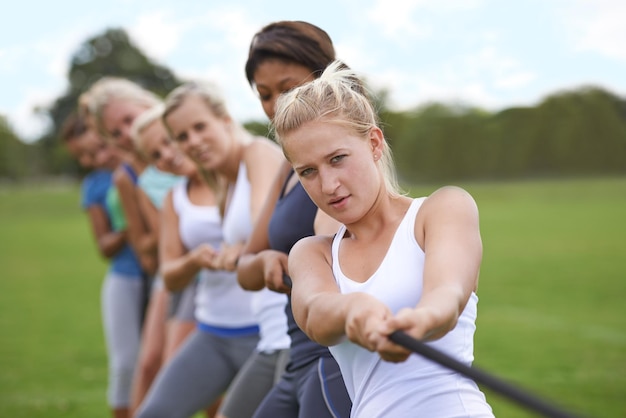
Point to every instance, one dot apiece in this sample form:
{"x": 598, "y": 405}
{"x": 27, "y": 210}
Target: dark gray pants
{"x": 199, "y": 373}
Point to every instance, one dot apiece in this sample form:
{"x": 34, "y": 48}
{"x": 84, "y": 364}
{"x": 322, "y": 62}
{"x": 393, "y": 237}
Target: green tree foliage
{"x": 111, "y": 53}
{"x": 581, "y": 132}
{"x": 438, "y": 141}
{"x": 14, "y": 154}
{"x": 259, "y": 128}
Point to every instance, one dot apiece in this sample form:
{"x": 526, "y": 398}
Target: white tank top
{"x": 220, "y": 301}
{"x": 417, "y": 386}
{"x": 268, "y": 306}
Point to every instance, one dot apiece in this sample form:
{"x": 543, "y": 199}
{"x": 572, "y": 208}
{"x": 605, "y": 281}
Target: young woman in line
{"x": 170, "y": 317}
{"x": 121, "y": 289}
{"x": 388, "y": 267}
{"x": 115, "y": 103}
{"x": 284, "y": 55}
{"x": 205, "y": 222}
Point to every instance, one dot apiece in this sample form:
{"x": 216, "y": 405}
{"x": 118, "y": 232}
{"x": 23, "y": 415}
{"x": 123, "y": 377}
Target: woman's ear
{"x": 228, "y": 121}
{"x": 377, "y": 142}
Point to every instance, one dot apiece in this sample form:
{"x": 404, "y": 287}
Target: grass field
{"x": 551, "y": 311}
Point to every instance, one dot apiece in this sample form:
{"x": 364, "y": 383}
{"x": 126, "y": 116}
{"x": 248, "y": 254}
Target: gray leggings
{"x": 200, "y": 371}
{"x": 255, "y": 379}
{"x": 122, "y": 300}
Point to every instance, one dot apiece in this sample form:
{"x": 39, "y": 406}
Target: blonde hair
{"x": 212, "y": 97}
{"x": 208, "y": 92}
{"x": 338, "y": 96}
{"x": 102, "y": 92}
{"x": 143, "y": 121}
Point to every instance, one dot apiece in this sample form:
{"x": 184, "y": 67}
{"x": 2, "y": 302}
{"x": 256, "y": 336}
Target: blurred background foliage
{"x": 573, "y": 133}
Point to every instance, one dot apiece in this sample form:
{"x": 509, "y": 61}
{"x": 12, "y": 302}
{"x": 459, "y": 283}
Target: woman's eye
{"x": 306, "y": 172}
{"x": 337, "y": 158}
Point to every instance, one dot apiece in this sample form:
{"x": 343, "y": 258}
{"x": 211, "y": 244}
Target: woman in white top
{"x": 208, "y": 219}
{"x": 396, "y": 263}
{"x": 170, "y": 316}
{"x": 245, "y": 166}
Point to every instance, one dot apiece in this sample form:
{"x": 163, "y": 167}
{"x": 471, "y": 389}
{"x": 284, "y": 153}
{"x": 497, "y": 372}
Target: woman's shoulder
{"x": 449, "y": 195}
{"x": 448, "y": 200}
{"x": 314, "y": 244}
{"x": 261, "y": 154}
{"x": 260, "y": 144}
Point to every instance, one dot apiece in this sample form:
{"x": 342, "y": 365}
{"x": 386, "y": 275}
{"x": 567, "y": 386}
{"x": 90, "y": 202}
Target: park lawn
{"x": 551, "y": 319}
{"x": 52, "y": 358}
{"x": 551, "y": 312}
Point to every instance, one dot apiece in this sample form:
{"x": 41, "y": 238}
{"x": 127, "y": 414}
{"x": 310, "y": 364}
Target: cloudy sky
{"x": 488, "y": 53}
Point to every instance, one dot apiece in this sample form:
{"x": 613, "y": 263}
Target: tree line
{"x": 569, "y": 133}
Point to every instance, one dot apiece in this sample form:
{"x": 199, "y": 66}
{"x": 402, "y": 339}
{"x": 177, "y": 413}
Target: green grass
{"x": 551, "y": 315}
{"x": 551, "y": 311}
{"x": 52, "y": 357}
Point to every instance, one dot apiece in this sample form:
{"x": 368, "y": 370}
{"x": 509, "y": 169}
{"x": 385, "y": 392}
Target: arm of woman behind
{"x": 148, "y": 241}
{"x": 178, "y": 266}
{"x": 256, "y": 254}
{"x": 109, "y": 242}
{"x": 263, "y": 160}
{"x": 136, "y": 227}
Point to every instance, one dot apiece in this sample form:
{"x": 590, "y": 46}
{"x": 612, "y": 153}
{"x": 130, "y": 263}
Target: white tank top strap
{"x": 237, "y": 224}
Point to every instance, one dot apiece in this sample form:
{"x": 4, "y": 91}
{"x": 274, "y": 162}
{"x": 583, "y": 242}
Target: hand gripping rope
{"x": 497, "y": 385}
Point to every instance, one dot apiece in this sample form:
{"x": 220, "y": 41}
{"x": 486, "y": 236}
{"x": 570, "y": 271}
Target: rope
{"x": 497, "y": 385}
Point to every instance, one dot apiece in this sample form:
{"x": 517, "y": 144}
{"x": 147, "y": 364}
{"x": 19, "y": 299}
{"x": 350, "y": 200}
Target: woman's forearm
{"x": 111, "y": 243}
{"x": 178, "y": 273}
{"x": 250, "y": 272}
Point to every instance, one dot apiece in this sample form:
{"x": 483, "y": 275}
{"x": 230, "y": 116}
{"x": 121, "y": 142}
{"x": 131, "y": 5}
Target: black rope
{"x": 497, "y": 385}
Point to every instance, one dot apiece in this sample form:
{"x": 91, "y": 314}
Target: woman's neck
{"x": 386, "y": 212}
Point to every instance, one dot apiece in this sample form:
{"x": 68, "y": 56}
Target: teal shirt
{"x": 156, "y": 184}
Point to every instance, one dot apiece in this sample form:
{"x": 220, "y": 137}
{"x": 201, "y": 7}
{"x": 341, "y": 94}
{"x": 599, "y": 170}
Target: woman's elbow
{"x": 106, "y": 250}
{"x": 171, "y": 282}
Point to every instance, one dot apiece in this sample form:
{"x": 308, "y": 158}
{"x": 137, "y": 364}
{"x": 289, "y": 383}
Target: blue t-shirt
{"x": 94, "y": 189}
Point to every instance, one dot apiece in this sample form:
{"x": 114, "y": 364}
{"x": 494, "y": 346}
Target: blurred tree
{"x": 111, "y": 53}
{"x": 579, "y": 132}
{"x": 14, "y": 154}
{"x": 259, "y": 128}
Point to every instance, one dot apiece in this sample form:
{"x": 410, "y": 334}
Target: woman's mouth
{"x": 338, "y": 202}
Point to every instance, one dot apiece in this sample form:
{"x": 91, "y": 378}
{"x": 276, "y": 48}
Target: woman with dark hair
{"x": 284, "y": 55}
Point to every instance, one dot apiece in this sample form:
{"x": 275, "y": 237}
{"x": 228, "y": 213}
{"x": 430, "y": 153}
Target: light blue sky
{"x": 489, "y": 53}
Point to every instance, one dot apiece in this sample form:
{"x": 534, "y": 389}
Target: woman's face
{"x": 74, "y": 147}
{"x": 161, "y": 151}
{"x": 117, "y": 118}
{"x": 274, "y": 76}
{"x": 100, "y": 153}
{"x": 337, "y": 167}
{"x": 206, "y": 138}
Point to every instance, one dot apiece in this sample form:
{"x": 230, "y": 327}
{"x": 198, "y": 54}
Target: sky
{"x": 492, "y": 54}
